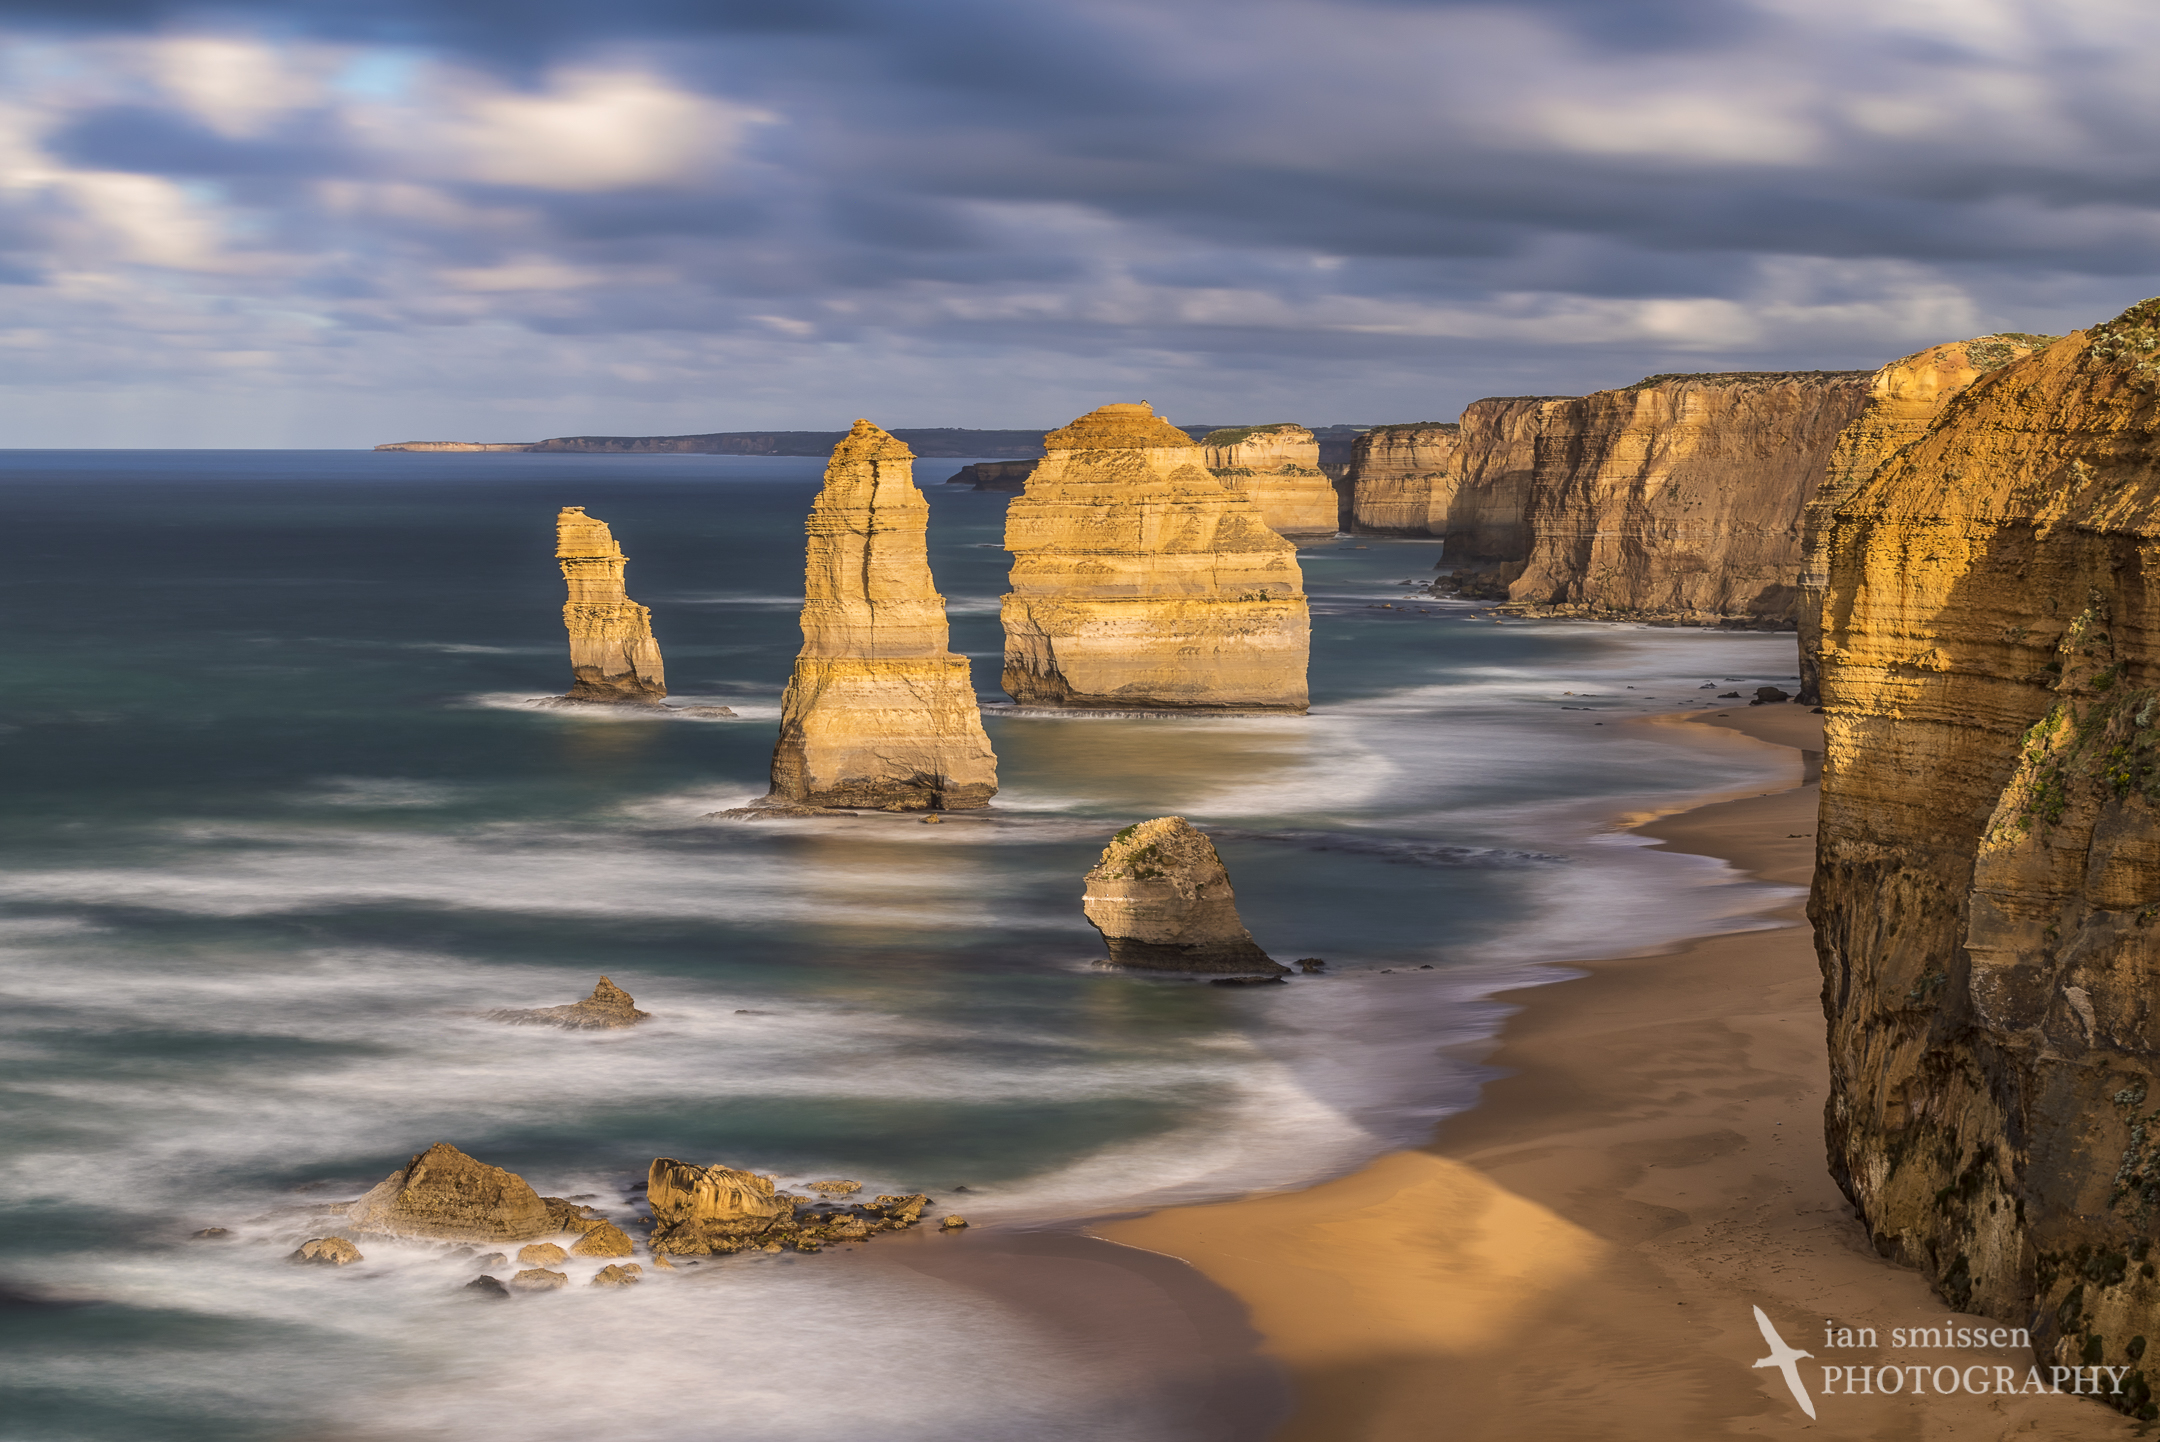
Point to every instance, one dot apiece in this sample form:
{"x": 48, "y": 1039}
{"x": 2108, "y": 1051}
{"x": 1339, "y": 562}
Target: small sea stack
{"x": 1141, "y": 582}
{"x": 613, "y": 656}
{"x": 879, "y": 714}
{"x": 608, "y": 1007}
{"x": 1163, "y": 902}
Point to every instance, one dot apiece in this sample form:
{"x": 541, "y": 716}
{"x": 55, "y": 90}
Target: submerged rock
{"x": 541, "y": 1254}
{"x": 879, "y": 713}
{"x": 327, "y": 1252}
{"x": 443, "y": 1193}
{"x": 835, "y": 1187}
{"x": 626, "y": 1275}
{"x": 488, "y": 1289}
{"x": 1163, "y": 902}
{"x": 1140, "y": 582}
{"x": 613, "y": 656}
{"x": 608, "y": 1006}
{"x": 539, "y": 1279}
{"x": 605, "y": 1240}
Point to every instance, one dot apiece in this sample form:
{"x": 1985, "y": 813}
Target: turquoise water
{"x": 283, "y": 824}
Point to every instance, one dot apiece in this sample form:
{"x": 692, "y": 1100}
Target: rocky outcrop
{"x": 1903, "y": 399}
{"x": 327, "y": 1252}
{"x": 1277, "y": 468}
{"x": 716, "y": 1210}
{"x": 1678, "y": 498}
{"x": 443, "y": 1193}
{"x": 878, "y": 713}
{"x": 1988, "y": 875}
{"x": 994, "y": 476}
{"x": 1403, "y": 478}
{"x": 1140, "y": 582}
{"x": 609, "y": 1006}
{"x": 612, "y": 652}
{"x": 1163, "y": 902}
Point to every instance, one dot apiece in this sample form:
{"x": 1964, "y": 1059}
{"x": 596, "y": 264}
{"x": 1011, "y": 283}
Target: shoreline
{"x": 1579, "y": 1252}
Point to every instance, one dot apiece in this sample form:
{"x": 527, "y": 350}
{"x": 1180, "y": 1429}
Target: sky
{"x": 321, "y": 223}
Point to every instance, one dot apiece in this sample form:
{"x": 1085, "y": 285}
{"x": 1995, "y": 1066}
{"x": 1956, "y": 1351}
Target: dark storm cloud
{"x": 1370, "y": 198}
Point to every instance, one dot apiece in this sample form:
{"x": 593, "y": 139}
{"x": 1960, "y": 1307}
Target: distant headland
{"x": 929, "y": 442}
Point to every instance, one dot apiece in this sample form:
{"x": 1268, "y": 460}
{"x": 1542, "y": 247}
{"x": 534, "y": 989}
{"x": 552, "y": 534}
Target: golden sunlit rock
{"x": 1277, "y": 468}
{"x": 1163, "y": 902}
{"x": 612, "y": 652}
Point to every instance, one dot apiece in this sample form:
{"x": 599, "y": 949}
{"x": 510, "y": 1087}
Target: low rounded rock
{"x": 539, "y": 1279}
{"x": 541, "y": 1254}
{"x": 327, "y": 1252}
{"x": 613, "y": 1275}
{"x": 605, "y": 1240}
{"x": 487, "y": 1289}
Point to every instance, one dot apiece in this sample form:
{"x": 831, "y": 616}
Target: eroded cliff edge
{"x": 1903, "y": 399}
{"x": 1140, "y": 582}
{"x": 879, "y": 712}
{"x": 1987, "y": 897}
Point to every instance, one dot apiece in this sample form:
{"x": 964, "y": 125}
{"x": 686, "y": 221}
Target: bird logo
{"x": 1786, "y": 1360}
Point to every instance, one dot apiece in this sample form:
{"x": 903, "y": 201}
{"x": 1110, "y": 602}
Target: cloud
{"x": 653, "y": 215}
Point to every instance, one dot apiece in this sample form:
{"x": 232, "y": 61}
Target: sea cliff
{"x": 1140, "y": 582}
{"x": 1402, "y": 478}
{"x": 1903, "y": 399}
{"x": 879, "y": 713}
{"x": 1678, "y": 498}
{"x": 1988, "y": 878}
{"x": 613, "y": 656}
{"x": 1277, "y": 468}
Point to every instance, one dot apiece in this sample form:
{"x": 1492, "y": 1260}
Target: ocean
{"x": 284, "y": 826}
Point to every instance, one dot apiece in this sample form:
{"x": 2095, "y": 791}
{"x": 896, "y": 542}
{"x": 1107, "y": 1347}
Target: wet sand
{"x": 1578, "y": 1255}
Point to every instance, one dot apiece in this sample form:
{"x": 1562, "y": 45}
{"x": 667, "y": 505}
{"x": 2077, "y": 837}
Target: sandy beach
{"x": 1579, "y": 1254}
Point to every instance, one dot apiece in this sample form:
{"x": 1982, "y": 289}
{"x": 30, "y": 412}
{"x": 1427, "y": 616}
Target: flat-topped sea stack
{"x": 879, "y": 713}
{"x": 1678, "y": 498}
{"x": 1988, "y": 856}
{"x": 1140, "y": 582}
{"x": 1277, "y": 468}
{"x": 1903, "y": 399}
{"x": 613, "y": 656}
{"x": 1402, "y": 478}
{"x": 1163, "y": 902}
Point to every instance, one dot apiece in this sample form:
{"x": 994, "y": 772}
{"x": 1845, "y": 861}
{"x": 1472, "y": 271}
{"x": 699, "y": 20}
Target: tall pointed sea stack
{"x": 878, "y": 713}
{"x": 1141, "y": 582}
{"x": 612, "y": 652}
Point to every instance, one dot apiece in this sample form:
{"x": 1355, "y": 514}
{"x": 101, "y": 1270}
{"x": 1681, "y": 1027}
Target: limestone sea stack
{"x": 443, "y": 1193}
{"x": 1163, "y": 902}
{"x": 1277, "y": 468}
{"x": 1903, "y": 399}
{"x": 878, "y": 713}
{"x": 612, "y": 652}
{"x": 1402, "y": 478}
{"x": 1988, "y": 854}
{"x": 1141, "y": 582}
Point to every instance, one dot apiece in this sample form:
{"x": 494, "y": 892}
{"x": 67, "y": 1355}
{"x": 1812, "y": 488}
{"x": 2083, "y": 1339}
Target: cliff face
{"x": 1277, "y": 468}
{"x": 1140, "y": 582}
{"x": 1162, "y": 901}
{"x": 1903, "y": 398}
{"x": 1679, "y": 497}
{"x": 612, "y": 652}
{"x": 1988, "y": 877}
{"x": 1397, "y": 473}
{"x": 878, "y": 713}
{"x": 1483, "y": 509}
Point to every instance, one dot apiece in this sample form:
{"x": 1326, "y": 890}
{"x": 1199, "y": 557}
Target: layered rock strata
{"x": 879, "y": 713}
{"x": 609, "y": 1006}
{"x": 1678, "y": 498}
{"x": 716, "y": 1210}
{"x": 1140, "y": 582}
{"x": 1403, "y": 477}
{"x": 1987, "y": 894}
{"x": 1482, "y": 508}
{"x": 1903, "y": 399}
{"x": 1277, "y": 468}
{"x": 1162, "y": 901}
{"x": 443, "y": 1193}
{"x": 612, "y": 652}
